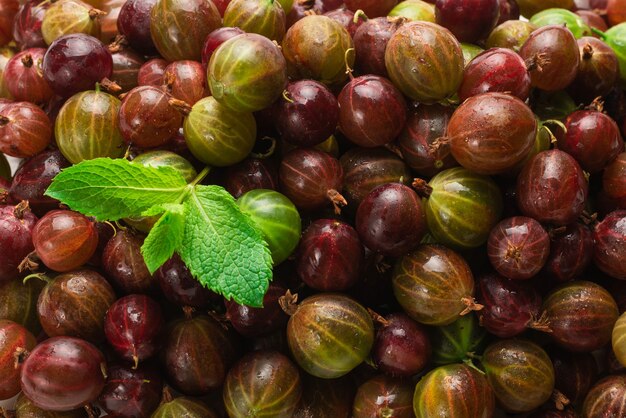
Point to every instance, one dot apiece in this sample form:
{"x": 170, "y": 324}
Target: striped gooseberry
{"x": 15, "y": 342}
{"x": 318, "y": 324}
{"x": 434, "y": 285}
{"x": 266, "y": 18}
{"x": 65, "y": 17}
{"x": 16, "y": 226}
{"x": 610, "y": 244}
{"x": 606, "y": 398}
{"x": 25, "y": 130}
{"x": 383, "y": 395}
{"x": 27, "y": 82}
{"x": 183, "y": 407}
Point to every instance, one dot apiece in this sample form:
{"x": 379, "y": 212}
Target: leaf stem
{"x": 205, "y": 172}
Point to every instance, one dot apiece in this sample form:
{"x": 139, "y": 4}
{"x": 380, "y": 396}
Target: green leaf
{"x": 165, "y": 237}
{"x": 110, "y": 189}
{"x": 223, "y": 248}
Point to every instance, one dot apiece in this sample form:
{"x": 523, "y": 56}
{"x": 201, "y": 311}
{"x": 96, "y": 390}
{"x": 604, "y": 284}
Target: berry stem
{"x": 289, "y": 302}
{"x": 96, "y": 13}
{"x": 188, "y": 311}
{"x": 27, "y": 60}
{"x": 30, "y": 263}
{"x": 379, "y": 319}
{"x": 422, "y": 188}
{"x": 470, "y": 305}
{"x": 560, "y": 400}
{"x": 337, "y": 200}
{"x": 542, "y": 324}
{"x": 20, "y": 209}
{"x": 598, "y": 32}
{"x": 359, "y": 14}
{"x": 183, "y": 107}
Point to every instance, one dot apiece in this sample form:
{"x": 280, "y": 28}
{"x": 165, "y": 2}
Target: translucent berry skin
{"x": 310, "y": 115}
{"x": 186, "y": 81}
{"x": 15, "y": 239}
{"x": 18, "y": 302}
{"x": 132, "y": 327}
{"x": 390, "y": 220}
{"x": 75, "y": 304}
{"x": 468, "y": 20}
{"x": 610, "y": 244}
{"x": 151, "y": 73}
{"x": 571, "y": 252}
{"x": 330, "y": 256}
{"x": 147, "y": 119}
{"x": 25, "y": 130}
{"x": 215, "y": 39}
{"x": 518, "y": 247}
{"x": 372, "y": 111}
{"x": 402, "y": 346}
{"x": 370, "y": 42}
{"x": 252, "y": 173}
{"x": 27, "y": 24}
{"x": 64, "y": 240}
{"x": 15, "y": 340}
{"x": 606, "y": 398}
{"x": 27, "y": 82}
{"x": 75, "y": 63}
{"x": 124, "y": 265}
{"x": 592, "y": 138}
{"x": 510, "y": 307}
{"x": 581, "y": 315}
{"x": 264, "y": 383}
{"x": 126, "y": 66}
{"x": 552, "y": 188}
{"x": 63, "y": 362}
{"x": 134, "y": 23}
{"x": 131, "y": 392}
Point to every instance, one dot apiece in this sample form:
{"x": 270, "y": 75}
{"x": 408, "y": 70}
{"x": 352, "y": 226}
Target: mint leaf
{"x": 165, "y": 237}
{"x": 110, "y": 189}
{"x": 223, "y": 248}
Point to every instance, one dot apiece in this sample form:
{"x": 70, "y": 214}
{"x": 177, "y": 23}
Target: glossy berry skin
{"x": 424, "y": 126}
{"x": 179, "y": 27}
{"x": 266, "y": 18}
{"x": 67, "y": 362}
{"x": 390, "y": 220}
{"x": 197, "y": 354}
{"x": 451, "y": 343}
{"x": 372, "y": 111}
{"x": 133, "y": 23}
{"x": 124, "y": 265}
{"x": 75, "y": 63}
{"x": 434, "y": 285}
{"x": 151, "y": 73}
{"x": 186, "y": 81}
{"x": 311, "y": 178}
{"x": 215, "y": 39}
{"x": 518, "y": 247}
{"x": 147, "y": 119}
{"x": 131, "y": 392}
{"x": 179, "y": 286}
{"x": 256, "y": 322}
{"x": 402, "y": 346}
{"x": 15, "y": 341}
{"x": 383, "y": 395}
{"x": 370, "y": 43}
{"x": 367, "y": 168}
{"x": 510, "y": 307}
{"x": 218, "y": 135}
{"x": 575, "y": 373}
{"x": 492, "y": 132}
{"x": 581, "y": 316}
{"x": 27, "y": 82}
{"x": 252, "y": 173}
{"x": 318, "y": 323}
{"x": 425, "y": 62}
{"x": 598, "y": 70}
{"x": 610, "y": 244}
{"x": 126, "y": 66}
{"x": 64, "y": 240}
{"x": 511, "y": 364}
{"x": 552, "y": 188}
{"x": 496, "y": 70}
{"x": 268, "y": 208}
{"x": 132, "y": 326}
{"x": 559, "y": 45}
{"x": 16, "y": 226}
{"x": 263, "y": 383}
{"x": 592, "y": 138}
{"x": 606, "y": 398}
{"x": 509, "y": 10}
{"x": 446, "y": 391}
{"x": 75, "y": 304}
{"x": 27, "y": 24}
{"x": 87, "y": 127}
{"x": 571, "y": 252}
{"x": 310, "y": 115}
{"x": 330, "y": 256}
{"x": 462, "y": 208}
{"x": 25, "y": 130}
{"x": 32, "y": 179}
{"x": 468, "y": 20}
{"x": 247, "y": 73}
{"x": 315, "y": 48}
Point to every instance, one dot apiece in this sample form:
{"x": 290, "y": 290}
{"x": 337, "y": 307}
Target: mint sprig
{"x": 220, "y": 245}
